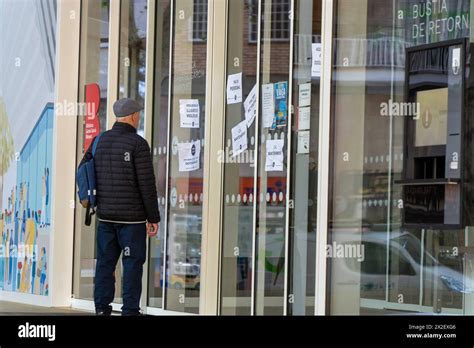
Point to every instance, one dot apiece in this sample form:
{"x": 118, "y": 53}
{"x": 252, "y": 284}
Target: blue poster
{"x": 281, "y": 104}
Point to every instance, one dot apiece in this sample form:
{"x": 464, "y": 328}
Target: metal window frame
{"x": 324, "y": 156}
{"x": 289, "y": 167}
{"x": 257, "y": 159}
{"x": 168, "y": 159}
{"x": 213, "y": 170}
{"x": 256, "y": 164}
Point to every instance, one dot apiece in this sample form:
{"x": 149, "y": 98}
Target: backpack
{"x": 87, "y": 185}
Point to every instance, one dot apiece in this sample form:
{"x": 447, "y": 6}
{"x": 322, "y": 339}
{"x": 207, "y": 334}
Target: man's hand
{"x": 152, "y": 229}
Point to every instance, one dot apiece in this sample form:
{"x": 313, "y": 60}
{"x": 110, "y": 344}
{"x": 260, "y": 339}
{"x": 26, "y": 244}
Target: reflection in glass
{"x": 94, "y": 53}
{"x": 239, "y": 169}
{"x": 186, "y": 157}
{"x": 397, "y": 183}
{"x": 160, "y": 145}
{"x": 305, "y": 151}
{"x": 272, "y": 178}
{"x": 132, "y": 68}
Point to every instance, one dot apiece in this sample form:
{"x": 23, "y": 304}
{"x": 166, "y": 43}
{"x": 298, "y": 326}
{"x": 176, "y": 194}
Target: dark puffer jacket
{"x": 126, "y": 190}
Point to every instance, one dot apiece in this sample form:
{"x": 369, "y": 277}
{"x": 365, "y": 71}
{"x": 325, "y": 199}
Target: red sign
{"x": 92, "y": 125}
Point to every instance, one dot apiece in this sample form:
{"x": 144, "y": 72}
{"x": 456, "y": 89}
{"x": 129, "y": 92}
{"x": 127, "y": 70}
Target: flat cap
{"x": 126, "y": 107}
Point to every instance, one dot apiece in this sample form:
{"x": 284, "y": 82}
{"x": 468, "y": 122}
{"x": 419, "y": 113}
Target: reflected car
{"x": 407, "y": 273}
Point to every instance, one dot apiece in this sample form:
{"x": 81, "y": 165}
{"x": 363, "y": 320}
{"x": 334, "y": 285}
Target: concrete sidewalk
{"x": 11, "y": 308}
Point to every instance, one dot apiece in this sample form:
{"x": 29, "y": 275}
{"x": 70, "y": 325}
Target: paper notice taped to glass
{"x": 304, "y": 118}
{"x": 268, "y": 105}
{"x": 250, "y": 106}
{"x": 303, "y": 142}
{"x": 304, "y": 95}
{"x": 316, "y": 60}
{"x": 239, "y": 138}
{"x": 189, "y": 112}
{"x": 274, "y": 161}
{"x": 234, "y": 89}
{"x": 189, "y": 156}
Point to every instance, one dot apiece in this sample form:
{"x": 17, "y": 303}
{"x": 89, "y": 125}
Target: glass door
{"x": 93, "y": 90}
{"x": 272, "y": 157}
{"x": 239, "y": 163}
{"x": 160, "y": 147}
{"x": 270, "y": 160}
{"x": 304, "y": 157}
{"x": 186, "y": 155}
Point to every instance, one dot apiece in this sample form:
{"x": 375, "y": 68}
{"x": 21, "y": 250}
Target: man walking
{"x": 127, "y": 208}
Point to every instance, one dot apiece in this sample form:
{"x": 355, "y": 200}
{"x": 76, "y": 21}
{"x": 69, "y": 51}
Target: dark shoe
{"x": 103, "y": 312}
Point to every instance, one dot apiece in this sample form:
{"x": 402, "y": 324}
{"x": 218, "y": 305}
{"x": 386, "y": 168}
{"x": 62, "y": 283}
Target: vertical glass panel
{"x": 272, "y": 157}
{"x": 442, "y": 286}
{"x": 132, "y": 68}
{"x": 400, "y": 229}
{"x": 305, "y": 152}
{"x": 132, "y": 71}
{"x": 94, "y": 53}
{"x": 160, "y": 145}
{"x": 239, "y": 165}
{"x": 186, "y": 157}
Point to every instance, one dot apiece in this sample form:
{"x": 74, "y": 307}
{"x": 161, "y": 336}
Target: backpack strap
{"x": 96, "y": 142}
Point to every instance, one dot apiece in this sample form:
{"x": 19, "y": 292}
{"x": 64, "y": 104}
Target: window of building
{"x": 198, "y": 22}
{"x": 280, "y": 17}
{"x": 394, "y": 185}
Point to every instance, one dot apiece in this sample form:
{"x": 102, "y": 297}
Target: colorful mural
{"x": 25, "y": 220}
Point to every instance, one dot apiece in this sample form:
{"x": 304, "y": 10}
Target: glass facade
{"x": 401, "y": 158}
{"x": 304, "y": 160}
{"x": 239, "y": 183}
{"x": 186, "y": 158}
{"x": 382, "y": 226}
{"x": 93, "y": 91}
{"x": 160, "y": 147}
{"x": 132, "y": 68}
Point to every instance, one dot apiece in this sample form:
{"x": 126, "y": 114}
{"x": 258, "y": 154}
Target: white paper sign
{"x": 250, "y": 106}
{"x": 189, "y": 112}
{"x": 456, "y": 60}
{"x": 304, "y": 118}
{"x": 239, "y": 138}
{"x": 316, "y": 60}
{"x": 274, "y": 161}
{"x": 268, "y": 105}
{"x": 189, "y": 156}
{"x": 303, "y": 142}
{"x": 234, "y": 89}
{"x": 305, "y": 95}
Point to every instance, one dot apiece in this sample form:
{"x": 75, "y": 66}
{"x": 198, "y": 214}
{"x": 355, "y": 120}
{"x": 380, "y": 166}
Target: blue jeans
{"x": 114, "y": 239}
